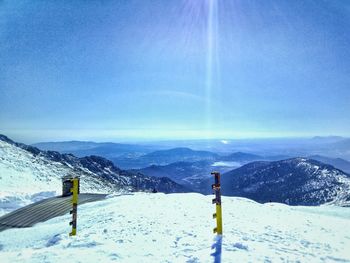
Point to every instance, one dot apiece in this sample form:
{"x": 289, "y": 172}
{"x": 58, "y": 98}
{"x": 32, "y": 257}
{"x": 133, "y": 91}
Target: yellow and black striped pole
{"x": 74, "y": 211}
{"x": 217, "y": 201}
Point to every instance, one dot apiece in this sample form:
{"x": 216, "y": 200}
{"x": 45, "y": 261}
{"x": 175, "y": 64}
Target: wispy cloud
{"x": 181, "y": 95}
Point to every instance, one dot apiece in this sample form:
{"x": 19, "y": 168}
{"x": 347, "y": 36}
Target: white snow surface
{"x": 178, "y": 228}
{"x": 24, "y": 177}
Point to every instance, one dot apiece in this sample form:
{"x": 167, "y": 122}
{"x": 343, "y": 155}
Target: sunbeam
{"x": 212, "y": 62}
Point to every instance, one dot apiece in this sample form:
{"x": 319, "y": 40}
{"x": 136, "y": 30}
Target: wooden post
{"x": 217, "y": 202}
{"x": 74, "y": 211}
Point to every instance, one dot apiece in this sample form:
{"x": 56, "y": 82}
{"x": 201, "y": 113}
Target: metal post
{"x": 74, "y": 211}
{"x": 217, "y": 202}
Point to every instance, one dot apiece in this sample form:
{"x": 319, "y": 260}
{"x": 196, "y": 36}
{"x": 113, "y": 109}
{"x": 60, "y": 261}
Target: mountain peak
{"x": 295, "y": 181}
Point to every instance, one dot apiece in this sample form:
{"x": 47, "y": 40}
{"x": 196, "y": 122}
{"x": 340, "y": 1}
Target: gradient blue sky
{"x": 115, "y": 70}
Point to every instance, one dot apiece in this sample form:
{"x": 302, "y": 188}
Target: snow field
{"x": 178, "y": 228}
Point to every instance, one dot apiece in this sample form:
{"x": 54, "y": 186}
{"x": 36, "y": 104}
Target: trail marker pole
{"x": 217, "y": 201}
{"x": 74, "y": 211}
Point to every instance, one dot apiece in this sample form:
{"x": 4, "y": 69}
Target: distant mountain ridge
{"x": 242, "y": 157}
{"x": 165, "y": 157}
{"x": 339, "y": 163}
{"x": 187, "y": 154}
{"x": 104, "y": 149}
{"x": 328, "y": 139}
{"x": 124, "y": 154}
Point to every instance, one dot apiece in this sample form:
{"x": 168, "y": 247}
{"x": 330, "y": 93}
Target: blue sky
{"x": 114, "y": 70}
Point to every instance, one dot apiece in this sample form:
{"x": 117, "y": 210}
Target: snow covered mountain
{"x": 28, "y": 174}
{"x": 178, "y": 228}
{"x": 297, "y": 181}
{"x": 105, "y": 149}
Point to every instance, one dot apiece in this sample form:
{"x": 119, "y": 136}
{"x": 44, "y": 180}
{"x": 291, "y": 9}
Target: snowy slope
{"x": 178, "y": 228}
{"x": 28, "y": 175}
{"x": 26, "y": 178}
